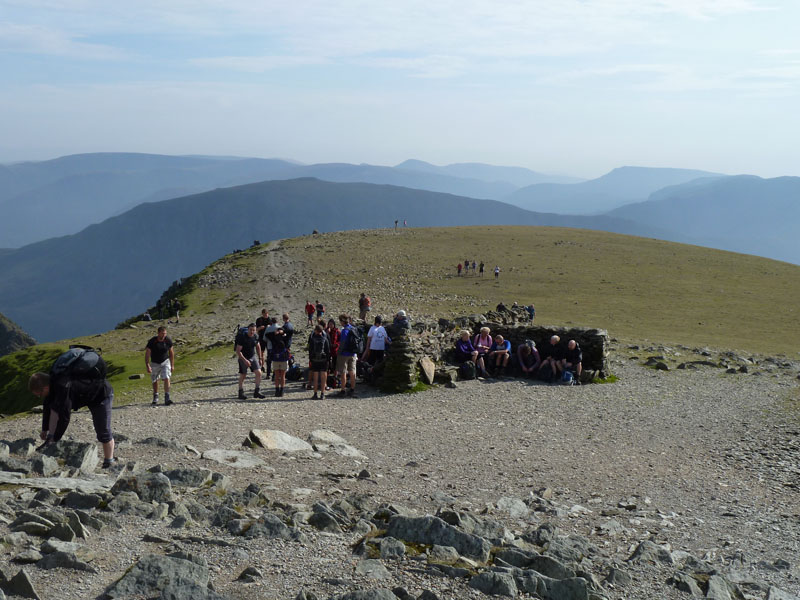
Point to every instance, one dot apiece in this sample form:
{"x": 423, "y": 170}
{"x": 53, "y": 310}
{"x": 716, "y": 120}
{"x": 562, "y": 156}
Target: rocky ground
{"x": 666, "y": 484}
{"x": 701, "y": 463}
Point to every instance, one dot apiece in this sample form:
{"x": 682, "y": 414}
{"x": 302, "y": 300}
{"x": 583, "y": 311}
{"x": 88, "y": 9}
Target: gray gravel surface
{"x": 702, "y": 462}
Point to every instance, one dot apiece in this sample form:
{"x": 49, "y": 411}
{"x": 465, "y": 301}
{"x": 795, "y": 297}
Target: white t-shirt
{"x": 378, "y": 336}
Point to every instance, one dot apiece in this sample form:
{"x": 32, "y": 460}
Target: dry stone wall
{"x": 436, "y": 340}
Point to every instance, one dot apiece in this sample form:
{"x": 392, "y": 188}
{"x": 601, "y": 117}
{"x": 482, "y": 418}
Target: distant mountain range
{"x": 40, "y": 200}
{"x": 88, "y": 282}
{"x": 744, "y": 214}
{"x": 621, "y": 186}
{"x": 12, "y": 338}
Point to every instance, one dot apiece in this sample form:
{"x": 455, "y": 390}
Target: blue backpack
{"x": 567, "y": 378}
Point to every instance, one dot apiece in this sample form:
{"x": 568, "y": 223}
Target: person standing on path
{"x": 377, "y": 338}
{"x": 319, "y": 353}
{"x": 159, "y": 359}
{"x": 248, "y": 352}
{"x": 346, "y": 360}
{"x": 288, "y": 330}
{"x": 280, "y": 358}
{"x": 481, "y": 269}
{"x": 364, "y": 306}
{"x": 496, "y": 273}
{"x": 310, "y": 310}
{"x": 458, "y": 267}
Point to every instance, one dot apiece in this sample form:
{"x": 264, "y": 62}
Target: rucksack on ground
{"x": 467, "y": 370}
{"x": 80, "y": 373}
{"x": 317, "y": 348}
{"x": 355, "y": 342}
{"x": 294, "y": 373}
{"x": 567, "y": 378}
{"x": 546, "y": 373}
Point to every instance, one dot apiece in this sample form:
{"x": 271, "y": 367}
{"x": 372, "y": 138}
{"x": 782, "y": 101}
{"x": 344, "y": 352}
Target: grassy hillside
{"x": 638, "y": 289}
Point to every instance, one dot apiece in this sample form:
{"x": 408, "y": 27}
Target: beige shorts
{"x": 160, "y": 370}
{"x": 345, "y": 363}
{"x": 280, "y": 365}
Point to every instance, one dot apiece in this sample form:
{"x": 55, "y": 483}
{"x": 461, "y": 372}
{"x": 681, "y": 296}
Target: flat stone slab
{"x": 272, "y": 439}
{"x": 99, "y": 483}
{"x": 233, "y": 458}
{"x": 324, "y": 440}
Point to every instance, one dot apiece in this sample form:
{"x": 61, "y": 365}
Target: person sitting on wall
{"x": 465, "y": 351}
{"x": 526, "y": 360}
{"x": 499, "y": 355}
{"x": 573, "y": 359}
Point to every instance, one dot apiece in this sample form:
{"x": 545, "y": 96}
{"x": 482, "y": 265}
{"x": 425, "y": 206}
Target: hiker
{"x": 480, "y": 272}
{"x": 320, "y": 310}
{"x": 496, "y": 273}
{"x": 262, "y": 323}
{"x": 346, "y": 359}
{"x": 526, "y": 361}
{"x": 501, "y": 307}
{"x": 377, "y": 338}
{"x": 59, "y": 401}
{"x": 552, "y": 355}
{"x": 531, "y": 310}
{"x": 465, "y": 351}
{"x": 499, "y": 355}
{"x": 483, "y": 343}
{"x": 310, "y": 310}
{"x": 270, "y": 328}
{"x": 474, "y": 266}
{"x": 288, "y": 330}
{"x": 401, "y": 320}
{"x": 159, "y": 359}
{"x": 319, "y": 353}
{"x": 147, "y": 316}
{"x": 248, "y": 352}
{"x": 178, "y": 306}
{"x": 459, "y": 268}
{"x": 364, "y": 306}
{"x": 280, "y": 357}
{"x": 333, "y": 337}
{"x": 573, "y": 359}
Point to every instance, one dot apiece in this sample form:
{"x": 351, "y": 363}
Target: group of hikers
{"x": 335, "y": 351}
{"x": 488, "y": 356}
{"x": 476, "y": 268}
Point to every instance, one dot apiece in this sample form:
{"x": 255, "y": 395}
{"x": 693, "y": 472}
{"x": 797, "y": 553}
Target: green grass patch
{"x": 16, "y": 369}
{"x": 608, "y": 379}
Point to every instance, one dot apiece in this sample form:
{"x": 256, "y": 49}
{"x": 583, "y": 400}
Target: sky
{"x": 574, "y": 87}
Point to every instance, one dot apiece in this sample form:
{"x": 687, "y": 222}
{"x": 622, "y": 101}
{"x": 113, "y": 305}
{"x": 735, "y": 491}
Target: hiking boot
{"x": 351, "y": 392}
{"x": 108, "y": 462}
{"x": 155, "y": 400}
{"x": 167, "y": 400}
{"x": 341, "y": 393}
{"x": 257, "y": 394}
{"x": 322, "y": 396}
{"x": 314, "y": 397}
{"x": 241, "y": 394}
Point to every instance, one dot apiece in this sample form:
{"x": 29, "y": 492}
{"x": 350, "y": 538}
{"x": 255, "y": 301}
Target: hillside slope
{"x": 618, "y": 187}
{"x": 89, "y": 281}
{"x": 12, "y": 337}
{"x": 743, "y": 214}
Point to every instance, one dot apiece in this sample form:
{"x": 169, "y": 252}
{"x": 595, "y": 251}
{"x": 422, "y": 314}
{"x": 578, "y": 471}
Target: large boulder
{"x": 433, "y": 530}
{"x": 78, "y": 455}
{"x": 148, "y": 486}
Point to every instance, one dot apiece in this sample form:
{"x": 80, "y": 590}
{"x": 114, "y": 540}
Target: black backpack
{"x": 467, "y": 370}
{"x": 317, "y": 348}
{"x": 240, "y": 333}
{"x": 79, "y": 374}
{"x": 355, "y": 342}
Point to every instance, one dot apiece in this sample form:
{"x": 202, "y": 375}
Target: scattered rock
{"x": 233, "y": 458}
{"x": 272, "y": 439}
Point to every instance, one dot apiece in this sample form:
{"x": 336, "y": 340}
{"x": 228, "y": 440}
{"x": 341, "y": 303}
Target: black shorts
{"x": 319, "y": 366}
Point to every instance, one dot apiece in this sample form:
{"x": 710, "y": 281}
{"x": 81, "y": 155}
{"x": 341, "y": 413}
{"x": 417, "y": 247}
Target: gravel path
{"x": 696, "y": 452}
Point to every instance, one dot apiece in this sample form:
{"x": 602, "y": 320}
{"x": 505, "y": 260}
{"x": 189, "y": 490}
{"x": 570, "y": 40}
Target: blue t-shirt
{"x": 506, "y": 345}
{"x": 343, "y": 340}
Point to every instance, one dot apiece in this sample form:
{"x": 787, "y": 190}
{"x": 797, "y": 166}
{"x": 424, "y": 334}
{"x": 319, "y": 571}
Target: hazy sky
{"x": 568, "y": 86}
